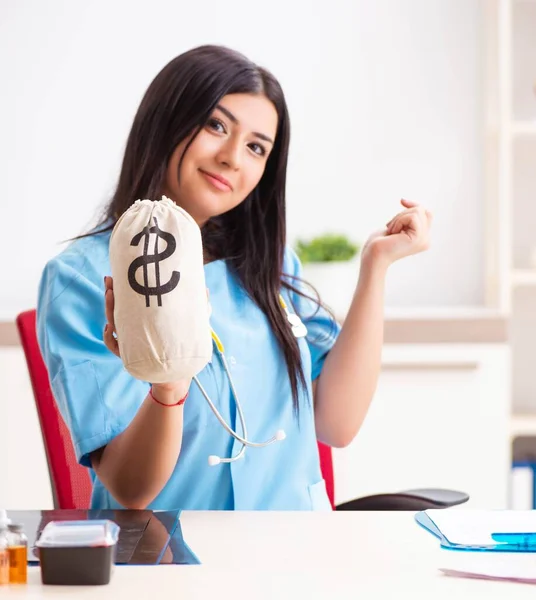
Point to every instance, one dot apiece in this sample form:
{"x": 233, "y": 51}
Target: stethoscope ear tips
{"x": 280, "y": 435}
{"x": 214, "y": 460}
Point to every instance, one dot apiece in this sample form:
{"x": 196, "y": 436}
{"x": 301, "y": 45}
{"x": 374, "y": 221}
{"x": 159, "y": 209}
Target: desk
{"x": 265, "y": 555}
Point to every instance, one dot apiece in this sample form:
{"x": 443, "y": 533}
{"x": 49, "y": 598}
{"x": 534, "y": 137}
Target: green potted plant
{"x": 329, "y": 247}
{"x": 331, "y": 264}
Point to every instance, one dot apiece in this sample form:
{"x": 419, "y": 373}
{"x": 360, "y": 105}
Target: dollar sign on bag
{"x": 146, "y": 259}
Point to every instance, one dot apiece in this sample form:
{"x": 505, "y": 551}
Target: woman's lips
{"x": 217, "y": 181}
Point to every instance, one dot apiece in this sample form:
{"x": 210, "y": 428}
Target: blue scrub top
{"x": 98, "y": 398}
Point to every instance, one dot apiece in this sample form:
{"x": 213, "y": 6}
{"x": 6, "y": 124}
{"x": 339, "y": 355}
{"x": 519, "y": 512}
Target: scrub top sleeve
{"x": 322, "y": 328}
{"x": 95, "y": 395}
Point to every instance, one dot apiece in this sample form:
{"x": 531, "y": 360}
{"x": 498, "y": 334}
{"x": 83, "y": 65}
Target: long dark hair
{"x": 252, "y": 236}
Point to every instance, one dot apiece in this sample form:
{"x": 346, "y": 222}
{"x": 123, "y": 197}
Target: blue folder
{"x": 508, "y": 540}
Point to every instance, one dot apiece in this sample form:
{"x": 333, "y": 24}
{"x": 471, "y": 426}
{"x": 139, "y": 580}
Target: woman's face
{"x": 226, "y": 160}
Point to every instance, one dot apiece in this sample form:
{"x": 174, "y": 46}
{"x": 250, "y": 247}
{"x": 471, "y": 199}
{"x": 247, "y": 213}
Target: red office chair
{"x": 71, "y": 483}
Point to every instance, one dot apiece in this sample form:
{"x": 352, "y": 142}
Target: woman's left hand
{"x": 407, "y": 233}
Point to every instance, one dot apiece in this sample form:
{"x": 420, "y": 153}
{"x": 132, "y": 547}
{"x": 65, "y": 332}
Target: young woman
{"x": 212, "y": 134}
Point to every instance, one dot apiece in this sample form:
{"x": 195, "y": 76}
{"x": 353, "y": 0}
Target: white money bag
{"x": 161, "y": 309}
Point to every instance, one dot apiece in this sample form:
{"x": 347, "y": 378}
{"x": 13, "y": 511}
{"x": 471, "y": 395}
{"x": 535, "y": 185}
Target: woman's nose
{"x": 231, "y": 155}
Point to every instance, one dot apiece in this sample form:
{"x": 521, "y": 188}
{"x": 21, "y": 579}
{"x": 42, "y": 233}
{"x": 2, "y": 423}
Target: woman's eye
{"x": 216, "y": 125}
{"x": 258, "y": 149}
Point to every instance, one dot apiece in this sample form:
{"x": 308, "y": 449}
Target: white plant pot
{"x": 335, "y": 282}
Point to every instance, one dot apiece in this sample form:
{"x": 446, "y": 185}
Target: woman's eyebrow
{"x": 232, "y": 118}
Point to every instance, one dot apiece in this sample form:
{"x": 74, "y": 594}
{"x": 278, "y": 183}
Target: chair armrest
{"x": 419, "y": 499}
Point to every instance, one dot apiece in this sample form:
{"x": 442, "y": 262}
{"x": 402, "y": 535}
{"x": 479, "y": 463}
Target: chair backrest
{"x": 71, "y": 483}
{"x": 326, "y": 464}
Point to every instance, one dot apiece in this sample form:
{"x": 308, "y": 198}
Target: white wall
{"x": 24, "y": 480}
{"x": 440, "y": 418}
{"x": 384, "y": 98}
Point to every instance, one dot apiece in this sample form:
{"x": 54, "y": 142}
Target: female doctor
{"x": 212, "y": 134}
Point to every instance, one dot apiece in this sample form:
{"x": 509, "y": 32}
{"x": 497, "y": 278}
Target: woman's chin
{"x": 210, "y": 208}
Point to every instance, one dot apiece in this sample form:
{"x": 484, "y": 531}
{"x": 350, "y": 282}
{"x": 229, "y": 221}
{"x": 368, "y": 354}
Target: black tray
{"x": 145, "y": 537}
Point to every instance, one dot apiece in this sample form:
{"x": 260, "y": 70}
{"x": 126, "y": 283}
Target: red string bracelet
{"x": 179, "y": 403}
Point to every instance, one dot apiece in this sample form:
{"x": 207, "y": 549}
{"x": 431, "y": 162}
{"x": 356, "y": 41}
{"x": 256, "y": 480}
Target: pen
{"x": 521, "y": 540}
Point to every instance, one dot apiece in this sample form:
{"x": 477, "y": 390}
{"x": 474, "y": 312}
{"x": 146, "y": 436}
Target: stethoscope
{"x": 299, "y": 330}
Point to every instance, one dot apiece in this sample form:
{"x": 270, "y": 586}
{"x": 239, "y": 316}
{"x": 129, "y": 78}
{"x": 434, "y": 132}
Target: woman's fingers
{"x": 411, "y": 207}
{"x": 396, "y": 219}
{"x": 109, "y": 339}
{"x": 109, "y": 301}
{"x": 408, "y": 203}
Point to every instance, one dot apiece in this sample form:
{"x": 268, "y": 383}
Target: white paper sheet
{"x": 475, "y": 527}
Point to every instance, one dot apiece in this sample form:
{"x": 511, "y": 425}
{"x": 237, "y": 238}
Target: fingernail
{"x": 105, "y": 281}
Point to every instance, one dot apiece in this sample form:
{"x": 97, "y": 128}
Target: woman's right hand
{"x": 164, "y": 392}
